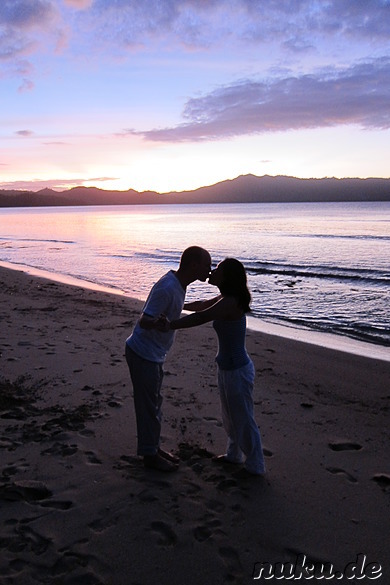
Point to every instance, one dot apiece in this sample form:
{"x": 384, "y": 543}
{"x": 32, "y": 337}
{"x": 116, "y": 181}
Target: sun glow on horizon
{"x": 121, "y": 164}
{"x": 126, "y": 97}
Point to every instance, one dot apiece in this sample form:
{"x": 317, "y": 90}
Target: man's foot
{"x": 159, "y": 463}
{"x": 169, "y": 456}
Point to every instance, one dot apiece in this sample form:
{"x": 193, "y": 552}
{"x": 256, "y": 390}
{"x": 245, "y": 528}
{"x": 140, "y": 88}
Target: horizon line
{"x": 81, "y": 186}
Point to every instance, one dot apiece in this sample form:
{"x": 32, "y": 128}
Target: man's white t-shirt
{"x": 166, "y": 297}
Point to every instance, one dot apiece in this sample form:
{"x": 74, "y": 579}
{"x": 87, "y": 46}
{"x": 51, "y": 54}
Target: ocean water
{"x": 318, "y": 266}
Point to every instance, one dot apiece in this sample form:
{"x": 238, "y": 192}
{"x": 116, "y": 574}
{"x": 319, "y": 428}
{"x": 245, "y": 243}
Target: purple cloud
{"x": 359, "y": 95}
{"x": 24, "y": 24}
{"x": 21, "y": 14}
{"x": 297, "y": 27}
{"x": 24, "y": 133}
{"x": 305, "y": 19}
{"x": 295, "y": 24}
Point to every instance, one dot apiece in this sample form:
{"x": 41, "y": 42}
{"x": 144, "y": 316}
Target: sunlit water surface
{"x": 322, "y": 266}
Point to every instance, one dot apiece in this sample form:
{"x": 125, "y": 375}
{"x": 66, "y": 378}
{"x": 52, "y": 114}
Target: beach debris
{"x": 345, "y": 446}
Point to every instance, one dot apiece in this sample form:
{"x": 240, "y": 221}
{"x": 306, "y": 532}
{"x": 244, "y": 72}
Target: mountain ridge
{"x": 243, "y": 189}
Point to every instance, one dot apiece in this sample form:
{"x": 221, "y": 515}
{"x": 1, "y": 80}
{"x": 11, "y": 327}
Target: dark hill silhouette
{"x": 243, "y": 189}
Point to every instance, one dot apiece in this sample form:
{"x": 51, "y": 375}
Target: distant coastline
{"x": 243, "y": 189}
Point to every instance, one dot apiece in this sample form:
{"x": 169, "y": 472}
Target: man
{"x": 146, "y": 350}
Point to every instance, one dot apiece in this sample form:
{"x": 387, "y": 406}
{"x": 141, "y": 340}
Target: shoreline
{"x": 322, "y": 339}
{"x": 77, "y": 505}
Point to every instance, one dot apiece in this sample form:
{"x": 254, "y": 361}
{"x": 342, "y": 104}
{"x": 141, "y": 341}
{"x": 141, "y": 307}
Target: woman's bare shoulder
{"x": 231, "y": 307}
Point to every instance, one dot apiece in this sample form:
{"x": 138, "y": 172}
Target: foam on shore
{"x": 329, "y": 340}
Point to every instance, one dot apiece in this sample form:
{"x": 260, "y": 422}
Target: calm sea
{"x": 318, "y": 266}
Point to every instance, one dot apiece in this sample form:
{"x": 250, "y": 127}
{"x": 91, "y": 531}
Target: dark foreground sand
{"x": 77, "y": 506}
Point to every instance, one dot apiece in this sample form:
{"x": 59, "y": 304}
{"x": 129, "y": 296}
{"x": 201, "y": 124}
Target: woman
{"x": 235, "y": 368}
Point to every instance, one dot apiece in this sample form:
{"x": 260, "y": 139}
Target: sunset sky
{"x": 176, "y": 94}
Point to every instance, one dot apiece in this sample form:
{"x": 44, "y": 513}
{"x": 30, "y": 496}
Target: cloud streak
{"x": 359, "y": 95}
{"x": 55, "y": 184}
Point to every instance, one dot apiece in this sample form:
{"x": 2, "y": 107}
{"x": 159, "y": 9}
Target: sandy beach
{"x": 77, "y": 505}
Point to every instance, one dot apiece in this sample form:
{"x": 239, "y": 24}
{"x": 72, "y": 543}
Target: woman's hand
{"x": 162, "y": 323}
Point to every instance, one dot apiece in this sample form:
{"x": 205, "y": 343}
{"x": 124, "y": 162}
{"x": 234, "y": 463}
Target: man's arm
{"x": 156, "y": 305}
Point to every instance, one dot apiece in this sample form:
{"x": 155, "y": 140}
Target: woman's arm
{"x": 148, "y": 322}
{"x": 201, "y": 305}
{"x": 225, "y": 308}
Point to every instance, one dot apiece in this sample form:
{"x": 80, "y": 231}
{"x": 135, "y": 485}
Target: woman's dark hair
{"x": 234, "y": 282}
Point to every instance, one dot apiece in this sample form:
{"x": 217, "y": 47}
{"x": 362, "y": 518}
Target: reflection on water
{"x": 321, "y": 266}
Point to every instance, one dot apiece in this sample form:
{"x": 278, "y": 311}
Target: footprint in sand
{"x": 215, "y": 506}
{"x": 345, "y": 446}
{"x": 190, "y": 488}
{"x": 383, "y": 480}
{"x": 93, "y": 459}
{"x": 130, "y": 459}
{"x": 74, "y": 567}
{"x": 20, "y": 465}
{"x": 226, "y": 484}
{"x": 87, "y": 433}
{"x": 167, "y": 536}
{"x": 338, "y": 471}
{"x": 57, "y": 504}
{"x": 30, "y": 539}
{"x": 61, "y": 449}
{"x": 147, "y": 496}
{"x": 209, "y": 527}
{"x": 231, "y": 559}
{"x": 27, "y": 490}
{"x": 114, "y": 404}
{"x": 101, "y": 524}
{"x": 202, "y": 533}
